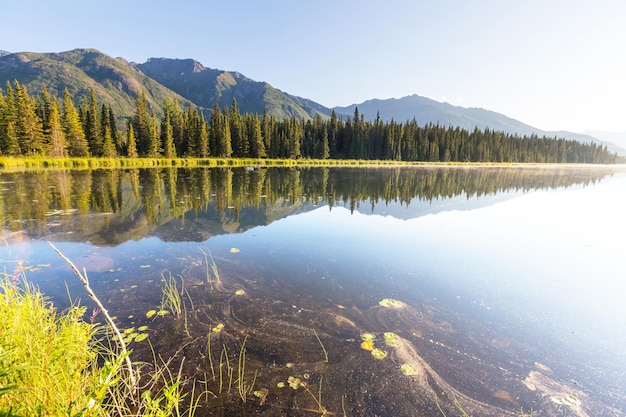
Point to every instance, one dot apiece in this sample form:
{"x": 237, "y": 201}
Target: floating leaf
{"x": 391, "y": 303}
{"x": 143, "y": 328}
{"x": 144, "y": 266}
{"x": 150, "y": 313}
{"x": 162, "y": 313}
{"x": 129, "y": 330}
{"x": 234, "y": 250}
{"x": 379, "y": 354}
{"x": 281, "y": 384}
{"x": 240, "y": 292}
{"x": 391, "y": 339}
{"x": 218, "y": 328}
{"x": 368, "y": 337}
{"x": 367, "y": 345}
{"x": 407, "y": 370}
{"x": 141, "y": 337}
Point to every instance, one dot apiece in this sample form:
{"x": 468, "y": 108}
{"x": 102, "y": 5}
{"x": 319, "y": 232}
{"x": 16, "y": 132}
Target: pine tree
{"x": 28, "y": 125}
{"x": 8, "y": 114}
{"x": 57, "y": 143}
{"x": 167, "y": 134}
{"x": 93, "y": 126}
{"x": 131, "y": 143}
{"x": 257, "y": 146}
{"x": 108, "y": 146}
{"x": 74, "y": 134}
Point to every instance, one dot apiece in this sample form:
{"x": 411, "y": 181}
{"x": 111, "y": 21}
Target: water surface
{"x": 508, "y": 281}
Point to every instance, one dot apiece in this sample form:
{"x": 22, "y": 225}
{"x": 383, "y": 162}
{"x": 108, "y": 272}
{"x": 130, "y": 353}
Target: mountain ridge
{"x": 117, "y": 81}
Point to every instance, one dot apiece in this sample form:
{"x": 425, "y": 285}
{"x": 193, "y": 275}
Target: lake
{"x": 387, "y": 291}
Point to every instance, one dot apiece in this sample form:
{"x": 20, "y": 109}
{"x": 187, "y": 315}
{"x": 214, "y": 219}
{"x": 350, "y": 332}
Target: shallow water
{"x": 509, "y": 280}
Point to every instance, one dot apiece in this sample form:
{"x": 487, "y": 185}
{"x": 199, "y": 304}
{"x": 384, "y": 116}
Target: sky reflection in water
{"x": 543, "y": 267}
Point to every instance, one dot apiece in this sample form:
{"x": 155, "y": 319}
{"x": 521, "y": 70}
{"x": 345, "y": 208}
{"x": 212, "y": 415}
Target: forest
{"x": 45, "y": 126}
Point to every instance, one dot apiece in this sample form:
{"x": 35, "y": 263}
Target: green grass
{"x": 56, "y": 364}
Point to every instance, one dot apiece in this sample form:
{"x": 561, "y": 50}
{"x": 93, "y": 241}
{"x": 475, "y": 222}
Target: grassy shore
{"x": 57, "y": 364}
{"x": 22, "y": 163}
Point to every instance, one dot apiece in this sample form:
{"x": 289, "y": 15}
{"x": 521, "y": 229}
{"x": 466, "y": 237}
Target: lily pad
{"x": 162, "y": 313}
{"x": 141, "y": 337}
{"x": 391, "y": 303}
{"x": 407, "y": 370}
{"x": 391, "y": 339}
{"x": 368, "y": 337}
{"x": 379, "y": 354}
{"x": 150, "y": 313}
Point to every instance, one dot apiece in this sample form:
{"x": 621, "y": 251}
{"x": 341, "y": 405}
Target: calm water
{"x": 508, "y": 282}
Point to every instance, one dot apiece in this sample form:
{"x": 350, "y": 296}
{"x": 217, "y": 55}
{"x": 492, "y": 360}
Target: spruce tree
{"x": 74, "y": 134}
{"x": 57, "y": 144}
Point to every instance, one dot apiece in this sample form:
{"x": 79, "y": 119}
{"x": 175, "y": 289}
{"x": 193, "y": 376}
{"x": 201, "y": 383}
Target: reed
{"x": 171, "y": 299}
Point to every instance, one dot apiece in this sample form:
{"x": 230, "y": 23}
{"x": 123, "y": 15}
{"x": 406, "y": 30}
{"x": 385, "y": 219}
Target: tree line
{"x": 47, "y": 126}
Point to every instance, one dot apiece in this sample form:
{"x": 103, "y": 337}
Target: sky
{"x": 553, "y": 64}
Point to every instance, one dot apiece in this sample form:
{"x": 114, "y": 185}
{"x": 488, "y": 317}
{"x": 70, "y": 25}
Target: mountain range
{"x": 117, "y": 81}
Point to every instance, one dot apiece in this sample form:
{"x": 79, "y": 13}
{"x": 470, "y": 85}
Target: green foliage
{"x": 31, "y": 127}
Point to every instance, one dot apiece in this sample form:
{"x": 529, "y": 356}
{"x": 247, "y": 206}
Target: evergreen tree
{"x": 131, "y": 143}
{"x": 74, "y": 134}
{"x": 57, "y": 145}
{"x": 8, "y": 115}
{"x": 257, "y": 146}
{"x": 28, "y": 125}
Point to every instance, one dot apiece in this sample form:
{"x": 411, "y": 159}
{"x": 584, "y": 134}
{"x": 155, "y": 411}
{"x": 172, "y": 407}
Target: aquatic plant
{"x": 322, "y": 345}
{"x": 368, "y": 337}
{"x": 171, "y": 299}
{"x": 391, "y": 339}
{"x": 407, "y": 369}
{"x": 295, "y": 383}
{"x": 379, "y": 354}
{"x": 211, "y": 269}
{"x": 391, "y": 303}
{"x": 367, "y": 345}
{"x": 243, "y": 387}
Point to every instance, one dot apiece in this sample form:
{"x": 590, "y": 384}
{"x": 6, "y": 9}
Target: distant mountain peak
{"x": 182, "y": 66}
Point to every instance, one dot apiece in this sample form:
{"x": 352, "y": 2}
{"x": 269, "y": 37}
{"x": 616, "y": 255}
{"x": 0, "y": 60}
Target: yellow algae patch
{"x": 391, "y": 303}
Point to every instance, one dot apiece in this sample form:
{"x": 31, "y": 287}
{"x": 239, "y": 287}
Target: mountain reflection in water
{"x": 487, "y": 301}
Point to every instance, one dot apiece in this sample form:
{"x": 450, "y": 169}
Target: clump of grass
{"x": 212, "y": 273}
{"x": 47, "y": 358}
{"x": 171, "y": 299}
{"x": 54, "y": 363}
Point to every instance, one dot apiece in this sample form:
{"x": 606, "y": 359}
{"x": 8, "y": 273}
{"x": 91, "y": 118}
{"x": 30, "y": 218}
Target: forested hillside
{"x": 44, "y": 125}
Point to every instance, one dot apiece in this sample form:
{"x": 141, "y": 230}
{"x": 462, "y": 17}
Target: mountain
{"x": 117, "y": 82}
{"x": 114, "y": 80}
{"x": 206, "y": 86}
{"x": 426, "y": 110}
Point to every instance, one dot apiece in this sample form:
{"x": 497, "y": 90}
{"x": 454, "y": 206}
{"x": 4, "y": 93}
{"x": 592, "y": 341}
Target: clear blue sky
{"x": 554, "y": 64}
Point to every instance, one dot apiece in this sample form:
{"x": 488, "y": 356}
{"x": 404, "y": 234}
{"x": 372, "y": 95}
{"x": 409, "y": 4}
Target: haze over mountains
{"x": 117, "y": 82}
